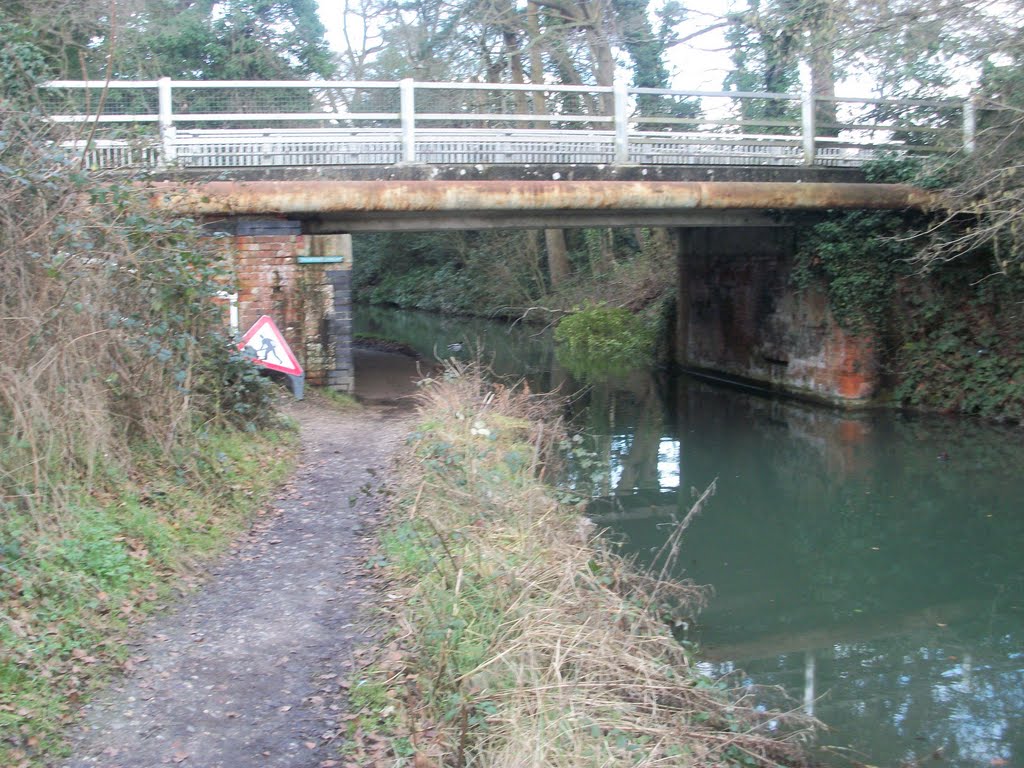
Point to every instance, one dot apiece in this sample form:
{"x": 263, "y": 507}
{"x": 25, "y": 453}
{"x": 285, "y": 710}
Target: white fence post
{"x": 168, "y": 150}
{"x": 408, "y": 114}
{"x": 620, "y": 100}
{"x": 970, "y": 125}
{"x": 807, "y": 123}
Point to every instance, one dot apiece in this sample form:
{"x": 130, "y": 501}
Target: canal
{"x": 868, "y": 564}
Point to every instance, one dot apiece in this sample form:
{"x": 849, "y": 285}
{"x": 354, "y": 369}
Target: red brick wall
{"x": 266, "y": 272}
{"x": 745, "y": 318}
{"x": 264, "y": 255}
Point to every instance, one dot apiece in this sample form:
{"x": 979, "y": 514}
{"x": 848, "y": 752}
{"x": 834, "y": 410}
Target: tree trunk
{"x": 536, "y": 59}
{"x": 606, "y": 251}
{"x": 515, "y": 63}
{"x": 823, "y": 85}
{"x": 821, "y": 59}
{"x": 558, "y": 256}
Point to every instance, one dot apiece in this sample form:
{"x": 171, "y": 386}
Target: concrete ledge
{"x": 778, "y": 388}
{"x": 540, "y": 172}
{"x": 298, "y": 198}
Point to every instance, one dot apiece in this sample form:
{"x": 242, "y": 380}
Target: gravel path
{"x": 248, "y": 671}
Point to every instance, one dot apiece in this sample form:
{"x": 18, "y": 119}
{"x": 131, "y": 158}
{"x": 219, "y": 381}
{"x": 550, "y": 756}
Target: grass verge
{"x": 522, "y": 638}
{"x": 72, "y": 590}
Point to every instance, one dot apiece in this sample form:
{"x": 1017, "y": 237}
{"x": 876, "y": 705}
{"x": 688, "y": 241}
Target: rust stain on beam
{"x": 336, "y": 197}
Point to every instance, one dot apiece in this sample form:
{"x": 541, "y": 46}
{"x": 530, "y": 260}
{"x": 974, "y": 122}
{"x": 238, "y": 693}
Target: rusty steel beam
{"x": 325, "y": 198}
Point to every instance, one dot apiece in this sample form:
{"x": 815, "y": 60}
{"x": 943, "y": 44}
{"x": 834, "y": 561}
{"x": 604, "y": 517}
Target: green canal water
{"x": 871, "y": 565}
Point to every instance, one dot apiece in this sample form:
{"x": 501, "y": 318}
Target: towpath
{"x": 251, "y": 669}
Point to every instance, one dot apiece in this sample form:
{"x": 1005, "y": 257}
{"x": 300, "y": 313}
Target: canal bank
{"x": 521, "y": 637}
{"x": 879, "y": 551}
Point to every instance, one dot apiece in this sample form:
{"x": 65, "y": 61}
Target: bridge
{"x": 289, "y": 170}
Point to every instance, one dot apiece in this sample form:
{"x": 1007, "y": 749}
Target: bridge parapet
{"x": 257, "y": 124}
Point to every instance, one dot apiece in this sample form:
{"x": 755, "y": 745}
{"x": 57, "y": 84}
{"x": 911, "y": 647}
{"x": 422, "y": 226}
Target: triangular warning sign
{"x": 264, "y": 344}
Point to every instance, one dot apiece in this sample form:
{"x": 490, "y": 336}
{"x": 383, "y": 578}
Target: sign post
{"x": 264, "y": 344}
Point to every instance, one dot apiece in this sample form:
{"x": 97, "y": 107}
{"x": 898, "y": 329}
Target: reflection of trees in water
{"x": 517, "y": 351}
{"x": 956, "y": 692}
{"x": 855, "y": 539}
{"x": 861, "y": 513}
{"x": 623, "y": 417}
{"x": 639, "y": 464}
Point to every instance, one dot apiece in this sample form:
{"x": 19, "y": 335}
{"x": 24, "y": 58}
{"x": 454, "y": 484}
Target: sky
{"x": 700, "y": 65}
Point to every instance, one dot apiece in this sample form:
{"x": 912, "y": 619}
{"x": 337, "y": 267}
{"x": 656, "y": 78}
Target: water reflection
{"x": 870, "y": 564}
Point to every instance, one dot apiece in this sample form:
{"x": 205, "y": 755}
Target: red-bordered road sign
{"x": 267, "y": 347}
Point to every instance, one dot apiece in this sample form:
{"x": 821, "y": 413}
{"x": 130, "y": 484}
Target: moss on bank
{"x": 523, "y": 639}
{"x": 71, "y": 591}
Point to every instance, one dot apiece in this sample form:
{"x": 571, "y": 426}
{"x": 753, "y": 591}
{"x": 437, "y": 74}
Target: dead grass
{"x": 637, "y": 284}
{"x": 530, "y": 641}
{"x": 110, "y": 334}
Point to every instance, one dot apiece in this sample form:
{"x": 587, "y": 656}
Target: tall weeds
{"x": 108, "y": 333}
{"x": 535, "y": 644}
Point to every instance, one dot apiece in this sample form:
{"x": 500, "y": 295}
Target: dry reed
{"x": 534, "y": 641}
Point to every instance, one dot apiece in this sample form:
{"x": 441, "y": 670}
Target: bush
{"x": 112, "y": 334}
{"x": 600, "y": 340}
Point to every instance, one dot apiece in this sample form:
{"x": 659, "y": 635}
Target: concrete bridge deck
{"x": 371, "y": 206}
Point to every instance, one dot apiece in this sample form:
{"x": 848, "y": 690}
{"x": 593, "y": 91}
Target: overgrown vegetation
{"x": 504, "y": 273}
{"x": 112, "y": 336}
{"x": 617, "y": 303}
{"x": 959, "y": 342}
{"x": 598, "y": 340}
{"x": 522, "y": 638}
{"x": 127, "y": 420}
{"x": 951, "y": 330}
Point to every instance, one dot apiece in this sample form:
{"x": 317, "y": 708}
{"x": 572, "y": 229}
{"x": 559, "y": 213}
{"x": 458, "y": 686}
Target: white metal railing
{"x": 230, "y": 124}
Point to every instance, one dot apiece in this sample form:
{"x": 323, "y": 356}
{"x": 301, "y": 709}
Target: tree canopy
{"x": 199, "y": 39}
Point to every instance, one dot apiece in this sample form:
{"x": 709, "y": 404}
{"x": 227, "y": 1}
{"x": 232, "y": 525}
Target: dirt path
{"x": 246, "y": 673}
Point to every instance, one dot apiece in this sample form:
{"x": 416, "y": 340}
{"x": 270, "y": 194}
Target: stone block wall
{"x": 341, "y": 375}
{"x": 740, "y": 314}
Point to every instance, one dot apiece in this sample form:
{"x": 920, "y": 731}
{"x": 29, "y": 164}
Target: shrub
{"x": 600, "y": 340}
{"x": 112, "y": 336}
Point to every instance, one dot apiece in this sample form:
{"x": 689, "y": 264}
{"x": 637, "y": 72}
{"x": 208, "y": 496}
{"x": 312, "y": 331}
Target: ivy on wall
{"x": 951, "y": 336}
{"x": 858, "y": 257}
{"x": 961, "y": 346}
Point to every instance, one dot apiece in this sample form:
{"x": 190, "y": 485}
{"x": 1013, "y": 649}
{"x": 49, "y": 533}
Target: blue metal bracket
{"x": 321, "y": 259}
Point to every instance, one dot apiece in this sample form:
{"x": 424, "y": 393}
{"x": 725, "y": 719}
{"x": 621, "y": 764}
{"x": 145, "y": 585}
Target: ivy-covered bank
{"x": 520, "y": 637}
{"x": 950, "y": 333}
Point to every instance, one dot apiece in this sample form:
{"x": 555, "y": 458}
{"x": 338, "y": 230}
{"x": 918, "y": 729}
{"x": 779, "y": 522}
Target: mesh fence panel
{"x": 88, "y": 101}
{"x": 715, "y": 114}
{"x": 485, "y": 107}
{"x": 339, "y": 106}
{"x": 920, "y": 126}
{"x": 665, "y": 112}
